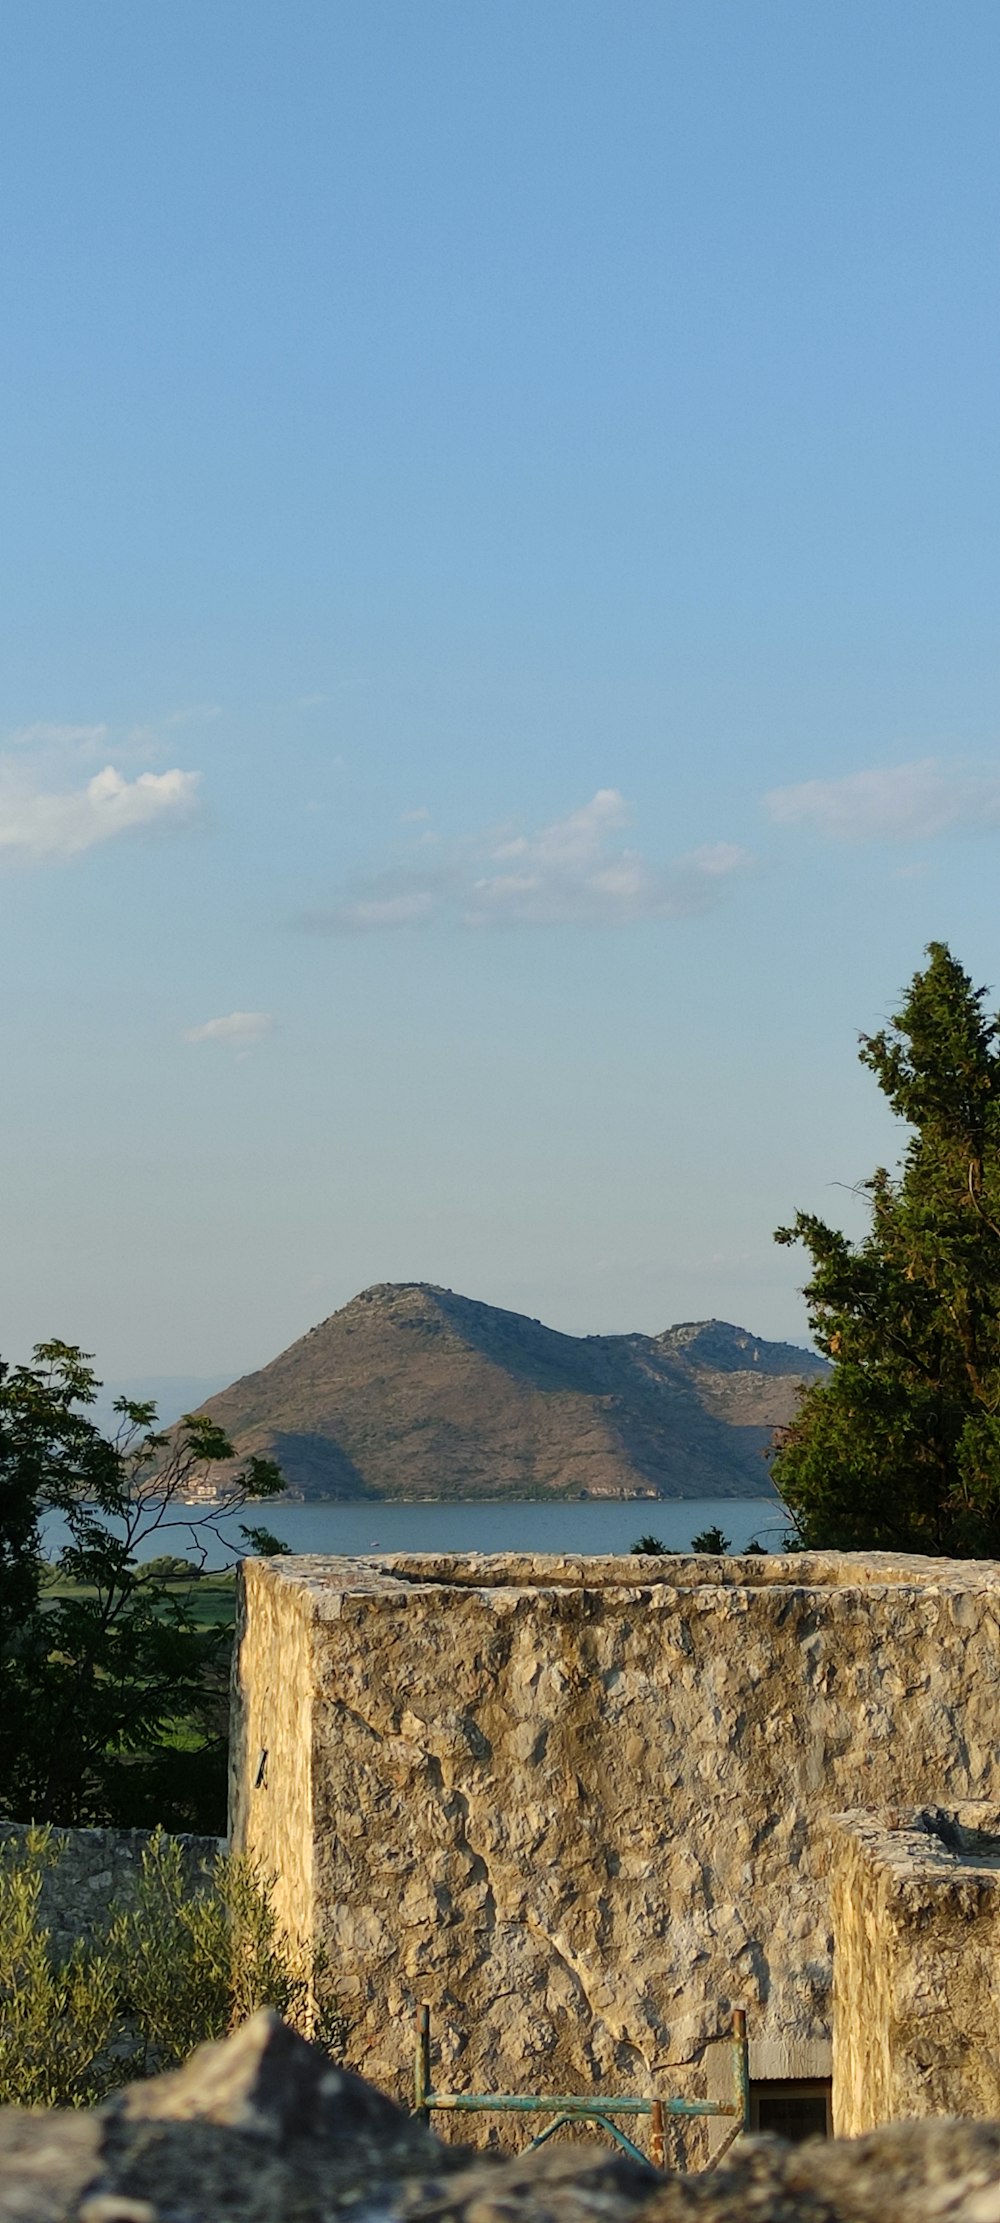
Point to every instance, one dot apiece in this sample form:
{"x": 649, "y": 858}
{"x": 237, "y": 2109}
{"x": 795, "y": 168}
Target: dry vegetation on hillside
{"x": 411, "y": 1391}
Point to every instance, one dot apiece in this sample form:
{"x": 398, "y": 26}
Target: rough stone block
{"x": 582, "y": 1806}
{"x": 916, "y": 1912}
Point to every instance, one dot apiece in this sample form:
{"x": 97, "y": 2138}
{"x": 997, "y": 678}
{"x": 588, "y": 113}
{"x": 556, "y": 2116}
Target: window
{"x": 792, "y": 2110}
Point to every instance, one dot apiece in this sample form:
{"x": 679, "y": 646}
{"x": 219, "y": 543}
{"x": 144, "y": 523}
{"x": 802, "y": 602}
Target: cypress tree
{"x": 899, "y": 1448}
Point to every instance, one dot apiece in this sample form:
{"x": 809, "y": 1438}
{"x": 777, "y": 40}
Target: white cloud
{"x": 238, "y": 1028}
{"x": 39, "y": 822}
{"x": 574, "y": 871}
{"x": 62, "y": 791}
{"x": 902, "y": 802}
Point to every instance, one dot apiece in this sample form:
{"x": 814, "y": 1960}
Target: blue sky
{"x": 499, "y": 671}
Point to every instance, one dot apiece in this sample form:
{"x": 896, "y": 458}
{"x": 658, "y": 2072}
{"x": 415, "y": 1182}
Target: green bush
{"x": 56, "y": 2021}
{"x": 176, "y": 1964}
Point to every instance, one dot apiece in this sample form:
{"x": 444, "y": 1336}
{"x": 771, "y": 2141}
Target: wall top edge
{"x": 928, "y": 1845}
{"x": 399, "y": 1574}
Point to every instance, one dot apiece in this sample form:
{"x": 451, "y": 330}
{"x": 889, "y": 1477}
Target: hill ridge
{"x": 413, "y": 1390}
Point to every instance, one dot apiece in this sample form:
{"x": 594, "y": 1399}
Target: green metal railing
{"x": 567, "y": 2108}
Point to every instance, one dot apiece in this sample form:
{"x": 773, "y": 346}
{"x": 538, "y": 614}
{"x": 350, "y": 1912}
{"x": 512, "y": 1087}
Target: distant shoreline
{"x": 535, "y": 1497}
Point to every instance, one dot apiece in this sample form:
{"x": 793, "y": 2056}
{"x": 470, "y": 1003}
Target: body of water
{"x": 605, "y": 1525}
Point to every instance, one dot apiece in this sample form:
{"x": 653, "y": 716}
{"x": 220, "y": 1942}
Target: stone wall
{"x": 916, "y": 1911}
{"x": 582, "y": 1806}
{"x": 96, "y": 1868}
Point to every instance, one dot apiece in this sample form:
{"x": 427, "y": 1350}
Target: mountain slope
{"x": 411, "y": 1391}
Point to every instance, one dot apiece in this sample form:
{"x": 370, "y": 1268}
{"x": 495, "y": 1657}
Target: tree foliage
{"x": 112, "y": 1699}
{"x": 900, "y": 1447}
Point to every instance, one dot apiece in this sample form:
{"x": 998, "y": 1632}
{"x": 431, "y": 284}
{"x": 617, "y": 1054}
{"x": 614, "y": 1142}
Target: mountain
{"x": 413, "y": 1392}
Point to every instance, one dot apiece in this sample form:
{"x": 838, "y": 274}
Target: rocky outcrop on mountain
{"x": 265, "y": 2129}
{"x": 414, "y": 1392}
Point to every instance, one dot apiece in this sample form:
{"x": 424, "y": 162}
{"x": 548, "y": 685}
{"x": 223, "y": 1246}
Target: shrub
{"x": 56, "y": 2021}
{"x": 710, "y": 1539}
{"x": 179, "y": 1963}
{"x": 192, "y": 1963}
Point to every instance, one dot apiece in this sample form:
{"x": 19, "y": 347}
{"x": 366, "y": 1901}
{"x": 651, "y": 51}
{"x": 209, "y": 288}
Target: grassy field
{"x": 210, "y": 1598}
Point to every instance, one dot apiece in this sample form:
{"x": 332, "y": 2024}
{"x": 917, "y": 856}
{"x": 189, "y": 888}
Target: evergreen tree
{"x": 900, "y": 1447}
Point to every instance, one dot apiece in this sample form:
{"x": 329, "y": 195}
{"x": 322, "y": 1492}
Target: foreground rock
{"x": 263, "y": 2129}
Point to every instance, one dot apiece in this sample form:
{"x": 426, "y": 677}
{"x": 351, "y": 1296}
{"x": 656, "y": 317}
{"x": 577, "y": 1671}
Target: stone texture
{"x": 916, "y": 1910}
{"x": 582, "y": 1806}
{"x": 908, "y": 2173}
{"x": 96, "y": 1869}
{"x": 265, "y": 2129}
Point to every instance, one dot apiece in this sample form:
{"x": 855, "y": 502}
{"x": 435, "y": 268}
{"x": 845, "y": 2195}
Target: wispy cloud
{"x": 40, "y": 824}
{"x": 901, "y": 802}
{"x": 238, "y": 1028}
{"x": 47, "y": 736}
{"x": 47, "y": 739}
{"x": 193, "y": 714}
{"x": 576, "y": 871}
{"x": 370, "y": 913}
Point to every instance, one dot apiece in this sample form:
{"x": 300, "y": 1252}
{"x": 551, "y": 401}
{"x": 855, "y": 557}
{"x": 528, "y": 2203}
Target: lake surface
{"x": 607, "y": 1525}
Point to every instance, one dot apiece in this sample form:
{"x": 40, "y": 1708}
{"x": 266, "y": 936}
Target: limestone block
{"x": 916, "y": 1911}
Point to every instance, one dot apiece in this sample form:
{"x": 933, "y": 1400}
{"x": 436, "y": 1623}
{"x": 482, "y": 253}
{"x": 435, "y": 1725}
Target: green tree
{"x": 112, "y": 1700}
{"x": 899, "y": 1448}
